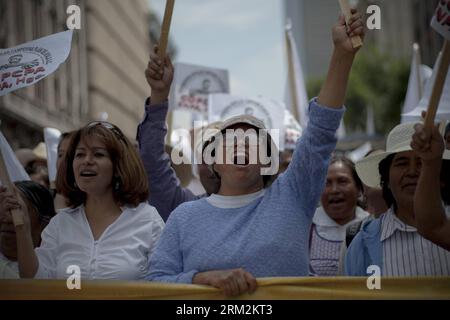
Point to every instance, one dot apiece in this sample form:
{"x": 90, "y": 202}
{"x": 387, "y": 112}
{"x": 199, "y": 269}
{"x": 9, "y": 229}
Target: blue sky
{"x": 244, "y": 36}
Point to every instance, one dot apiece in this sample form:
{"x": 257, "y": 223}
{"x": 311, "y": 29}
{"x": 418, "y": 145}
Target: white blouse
{"x": 121, "y": 253}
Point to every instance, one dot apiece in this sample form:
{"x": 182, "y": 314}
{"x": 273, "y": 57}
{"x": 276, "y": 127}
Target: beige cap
{"x": 41, "y": 150}
{"x": 26, "y": 156}
{"x": 245, "y": 118}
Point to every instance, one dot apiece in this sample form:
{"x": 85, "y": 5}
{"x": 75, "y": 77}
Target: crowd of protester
{"x": 121, "y": 213}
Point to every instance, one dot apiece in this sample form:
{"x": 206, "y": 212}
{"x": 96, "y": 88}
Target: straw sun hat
{"x": 398, "y": 140}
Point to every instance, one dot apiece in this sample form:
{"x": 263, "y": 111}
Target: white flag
{"x": 297, "y": 98}
{"x": 26, "y": 64}
{"x": 418, "y": 77}
{"x": 443, "y": 111}
{"x": 51, "y": 138}
{"x": 15, "y": 169}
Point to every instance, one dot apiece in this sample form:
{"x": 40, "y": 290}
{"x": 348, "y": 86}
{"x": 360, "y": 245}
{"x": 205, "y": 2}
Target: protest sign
{"x": 28, "y": 63}
{"x": 270, "y": 112}
{"x": 441, "y": 23}
{"x": 441, "y": 19}
{"x": 192, "y": 84}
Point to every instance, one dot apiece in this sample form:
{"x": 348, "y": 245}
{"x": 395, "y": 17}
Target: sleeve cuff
{"x": 187, "y": 277}
{"x": 156, "y": 112}
{"x": 325, "y": 117}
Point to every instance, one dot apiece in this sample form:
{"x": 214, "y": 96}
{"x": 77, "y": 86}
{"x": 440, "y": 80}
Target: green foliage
{"x": 378, "y": 80}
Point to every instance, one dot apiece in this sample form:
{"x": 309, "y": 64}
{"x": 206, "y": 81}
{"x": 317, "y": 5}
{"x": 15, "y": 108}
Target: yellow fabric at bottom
{"x": 268, "y": 288}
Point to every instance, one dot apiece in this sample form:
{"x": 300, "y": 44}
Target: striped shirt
{"x": 407, "y": 253}
{"x": 327, "y": 238}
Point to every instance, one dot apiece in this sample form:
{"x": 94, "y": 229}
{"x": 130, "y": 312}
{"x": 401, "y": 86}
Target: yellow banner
{"x": 268, "y": 288}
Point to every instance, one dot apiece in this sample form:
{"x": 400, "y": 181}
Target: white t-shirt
{"x": 121, "y": 253}
{"x": 229, "y": 202}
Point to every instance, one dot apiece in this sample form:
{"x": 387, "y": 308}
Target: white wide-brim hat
{"x": 398, "y": 140}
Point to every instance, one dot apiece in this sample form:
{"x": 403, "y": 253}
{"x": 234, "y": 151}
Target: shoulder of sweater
{"x": 188, "y": 208}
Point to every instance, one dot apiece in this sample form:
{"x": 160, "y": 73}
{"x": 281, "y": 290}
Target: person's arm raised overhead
{"x": 159, "y": 76}
{"x": 307, "y": 170}
{"x": 166, "y": 193}
{"x": 334, "y": 88}
{"x": 429, "y": 213}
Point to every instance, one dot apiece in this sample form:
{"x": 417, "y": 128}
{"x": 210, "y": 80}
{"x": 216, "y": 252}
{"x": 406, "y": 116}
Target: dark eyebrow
{"x": 401, "y": 159}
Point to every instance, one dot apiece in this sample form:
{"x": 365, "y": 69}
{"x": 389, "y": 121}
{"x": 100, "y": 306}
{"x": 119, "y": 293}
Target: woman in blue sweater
{"x": 245, "y": 231}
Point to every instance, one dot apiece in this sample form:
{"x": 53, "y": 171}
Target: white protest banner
{"x": 192, "y": 84}
{"x": 270, "y": 112}
{"x": 13, "y": 166}
{"x": 51, "y": 138}
{"x": 26, "y": 64}
{"x": 441, "y": 19}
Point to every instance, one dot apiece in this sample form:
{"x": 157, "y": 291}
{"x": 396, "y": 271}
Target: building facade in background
{"x": 403, "y": 22}
{"x": 103, "y": 77}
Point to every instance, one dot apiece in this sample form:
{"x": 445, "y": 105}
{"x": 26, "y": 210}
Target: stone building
{"x": 102, "y": 78}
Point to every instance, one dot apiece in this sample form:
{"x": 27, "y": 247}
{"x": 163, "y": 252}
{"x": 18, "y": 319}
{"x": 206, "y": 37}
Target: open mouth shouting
{"x": 88, "y": 174}
{"x": 336, "y": 201}
{"x": 241, "y": 159}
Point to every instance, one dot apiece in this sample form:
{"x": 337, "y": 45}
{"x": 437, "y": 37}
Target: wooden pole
{"x": 165, "y": 28}
{"x": 345, "y": 8}
{"x": 4, "y": 177}
{"x": 437, "y": 87}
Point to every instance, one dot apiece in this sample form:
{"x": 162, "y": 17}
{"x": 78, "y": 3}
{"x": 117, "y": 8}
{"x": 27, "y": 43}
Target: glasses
{"x": 118, "y": 133}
